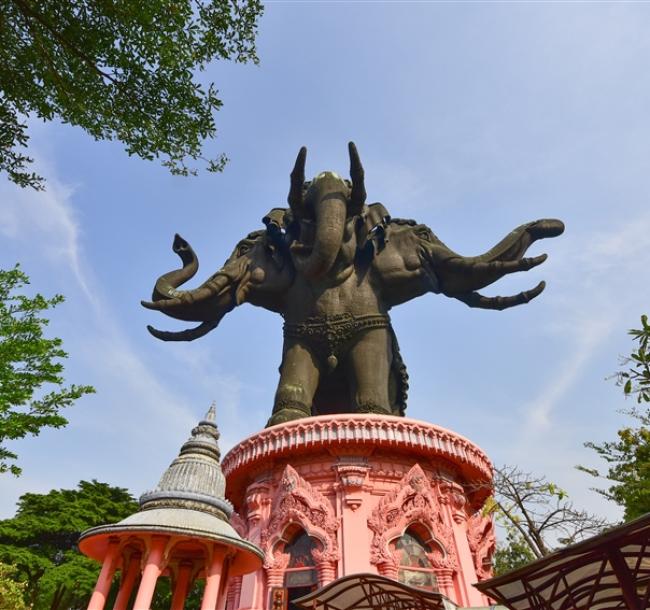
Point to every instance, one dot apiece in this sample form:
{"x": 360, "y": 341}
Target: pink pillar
{"x": 223, "y": 600}
{"x": 129, "y": 576}
{"x": 212, "y": 580}
{"x": 151, "y": 572}
{"x": 98, "y": 598}
{"x": 182, "y": 585}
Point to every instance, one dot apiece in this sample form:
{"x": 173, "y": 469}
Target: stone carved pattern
{"x": 257, "y": 498}
{"x": 454, "y": 495}
{"x": 352, "y": 476}
{"x": 482, "y": 543}
{"x": 358, "y": 431}
{"x": 239, "y": 524}
{"x": 411, "y": 502}
{"x": 297, "y": 502}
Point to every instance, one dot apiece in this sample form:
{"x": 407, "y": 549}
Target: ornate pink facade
{"x": 356, "y": 485}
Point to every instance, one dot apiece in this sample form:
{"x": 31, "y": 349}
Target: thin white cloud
{"x": 136, "y": 411}
{"x": 605, "y": 266}
{"x": 47, "y": 220}
{"x": 585, "y": 339}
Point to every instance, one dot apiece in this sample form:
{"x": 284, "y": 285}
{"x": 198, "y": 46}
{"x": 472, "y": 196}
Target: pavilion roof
{"x": 371, "y": 591}
{"x": 610, "y": 571}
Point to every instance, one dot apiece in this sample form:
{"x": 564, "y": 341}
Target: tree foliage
{"x": 121, "y": 69}
{"x": 537, "y": 517}
{"x": 29, "y": 363}
{"x": 11, "y": 592}
{"x": 40, "y": 542}
{"x": 628, "y": 457}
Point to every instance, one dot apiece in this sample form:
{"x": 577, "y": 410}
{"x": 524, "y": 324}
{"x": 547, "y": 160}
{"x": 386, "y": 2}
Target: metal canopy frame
{"x": 369, "y": 592}
{"x": 610, "y": 571}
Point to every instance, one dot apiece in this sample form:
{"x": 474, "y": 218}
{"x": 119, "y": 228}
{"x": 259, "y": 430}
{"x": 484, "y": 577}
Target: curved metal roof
{"x": 371, "y": 591}
{"x": 610, "y": 571}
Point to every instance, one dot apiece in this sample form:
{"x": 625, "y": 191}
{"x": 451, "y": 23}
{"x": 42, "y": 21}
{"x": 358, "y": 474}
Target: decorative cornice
{"x": 338, "y": 433}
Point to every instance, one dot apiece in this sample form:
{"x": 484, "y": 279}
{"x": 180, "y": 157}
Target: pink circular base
{"x": 356, "y": 483}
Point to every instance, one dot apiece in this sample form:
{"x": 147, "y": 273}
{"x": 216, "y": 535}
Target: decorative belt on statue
{"x": 329, "y": 334}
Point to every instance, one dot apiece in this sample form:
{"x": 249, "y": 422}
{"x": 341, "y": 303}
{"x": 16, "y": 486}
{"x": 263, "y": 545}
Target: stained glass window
{"x": 301, "y": 568}
{"x": 415, "y": 569}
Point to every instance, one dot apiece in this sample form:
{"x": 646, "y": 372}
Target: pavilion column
{"x": 326, "y": 570}
{"x": 388, "y": 569}
{"x": 445, "y": 579}
{"x": 151, "y": 572}
{"x": 98, "y": 598}
{"x": 182, "y": 585}
{"x": 234, "y": 592}
{"x": 213, "y": 579}
{"x": 129, "y": 576}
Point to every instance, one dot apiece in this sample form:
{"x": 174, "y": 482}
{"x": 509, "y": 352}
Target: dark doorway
{"x": 295, "y": 593}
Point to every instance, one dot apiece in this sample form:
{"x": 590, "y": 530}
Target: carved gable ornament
{"x": 298, "y": 503}
{"x": 482, "y": 543}
{"x": 412, "y": 502}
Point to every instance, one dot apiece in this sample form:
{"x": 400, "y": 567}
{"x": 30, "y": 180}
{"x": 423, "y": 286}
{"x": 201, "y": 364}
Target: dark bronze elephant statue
{"x": 333, "y": 267}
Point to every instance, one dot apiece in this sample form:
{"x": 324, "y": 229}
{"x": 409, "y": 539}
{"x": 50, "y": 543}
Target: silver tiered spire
{"x": 194, "y": 480}
{"x": 189, "y": 501}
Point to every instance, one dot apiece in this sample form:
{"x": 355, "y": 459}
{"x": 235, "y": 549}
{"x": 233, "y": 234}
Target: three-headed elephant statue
{"x": 333, "y": 266}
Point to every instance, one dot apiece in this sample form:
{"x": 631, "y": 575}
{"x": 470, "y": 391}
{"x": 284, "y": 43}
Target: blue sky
{"x": 470, "y": 117}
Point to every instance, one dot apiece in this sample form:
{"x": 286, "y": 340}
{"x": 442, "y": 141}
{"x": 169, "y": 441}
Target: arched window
{"x": 415, "y": 568}
{"x": 301, "y": 570}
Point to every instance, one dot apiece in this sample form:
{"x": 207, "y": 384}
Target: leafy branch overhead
{"x": 537, "y": 517}
{"x": 636, "y": 378}
{"x": 121, "y": 70}
{"x": 29, "y": 364}
{"x": 628, "y": 457}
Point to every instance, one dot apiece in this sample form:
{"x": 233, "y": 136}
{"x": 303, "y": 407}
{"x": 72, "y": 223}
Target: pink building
{"x": 315, "y": 500}
{"x": 330, "y": 496}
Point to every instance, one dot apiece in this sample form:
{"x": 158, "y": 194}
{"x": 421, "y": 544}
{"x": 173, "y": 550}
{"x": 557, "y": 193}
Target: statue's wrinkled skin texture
{"x": 333, "y": 267}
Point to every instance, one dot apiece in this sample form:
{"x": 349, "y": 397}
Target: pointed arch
{"x": 411, "y": 504}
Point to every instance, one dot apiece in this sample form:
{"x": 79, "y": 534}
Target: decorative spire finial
{"x": 211, "y": 415}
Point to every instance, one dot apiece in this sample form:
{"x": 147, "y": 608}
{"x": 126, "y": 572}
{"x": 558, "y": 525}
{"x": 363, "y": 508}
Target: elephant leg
{"x": 299, "y": 376}
{"x": 369, "y": 365}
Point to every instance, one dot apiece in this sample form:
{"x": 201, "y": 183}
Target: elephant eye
{"x": 243, "y": 249}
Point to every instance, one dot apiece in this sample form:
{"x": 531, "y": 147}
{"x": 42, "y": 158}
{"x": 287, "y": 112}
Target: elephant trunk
{"x": 168, "y": 282}
{"x": 208, "y": 302}
{"x": 330, "y": 212}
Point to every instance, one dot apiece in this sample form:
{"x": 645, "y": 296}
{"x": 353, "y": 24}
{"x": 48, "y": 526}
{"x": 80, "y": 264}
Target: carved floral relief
{"x": 412, "y": 502}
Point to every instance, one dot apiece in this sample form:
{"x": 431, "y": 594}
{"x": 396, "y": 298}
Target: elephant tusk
{"x": 184, "y": 335}
{"x": 357, "y": 175}
{"x": 475, "y": 299}
{"x": 297, "y": 180}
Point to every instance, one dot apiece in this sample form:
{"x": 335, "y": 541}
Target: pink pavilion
{"x": 368, "y": 501}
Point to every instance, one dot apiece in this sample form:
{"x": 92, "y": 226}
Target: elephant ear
{"x": 372, "y": 229}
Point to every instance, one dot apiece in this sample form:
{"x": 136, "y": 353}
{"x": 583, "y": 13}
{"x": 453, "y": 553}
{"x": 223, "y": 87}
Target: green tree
{"x": 11, "y": 592}
{"x": 29, "y": 363}
{"x": 628, "y": 457}
{"x": 121, "y": 69}
{"x": 40, "y": 541}
{"x": 537, "y": 517}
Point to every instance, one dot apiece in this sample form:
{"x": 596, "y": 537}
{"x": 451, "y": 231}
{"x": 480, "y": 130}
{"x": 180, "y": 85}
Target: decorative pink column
{"x": 98, "y": 598}
{"x": 129, "y": 576}
{"x": 182, "y": 585}
{"x": 234, "y": 591}
{"x": 213, "y": 579}
{"x": 445, "y": 578}
{"x": 151, "y": 572}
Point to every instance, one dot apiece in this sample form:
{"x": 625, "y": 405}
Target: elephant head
{"x": 256, "y": 272}
{"x": 324, "y": 211}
